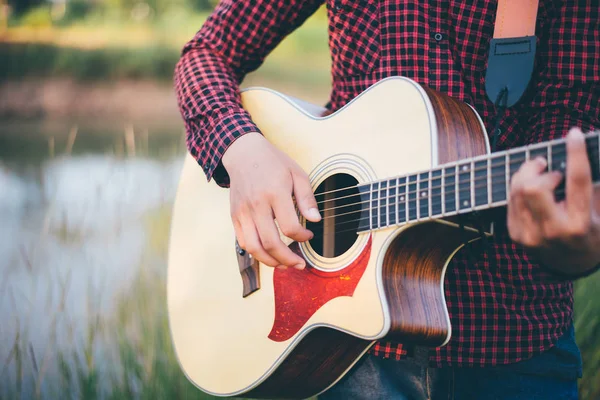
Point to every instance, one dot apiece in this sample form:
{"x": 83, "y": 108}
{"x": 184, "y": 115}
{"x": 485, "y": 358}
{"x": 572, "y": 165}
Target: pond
{"x": 83, "y": 236}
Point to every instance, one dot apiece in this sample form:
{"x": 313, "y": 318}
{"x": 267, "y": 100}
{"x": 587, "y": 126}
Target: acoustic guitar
{"x": 395, "y": 173}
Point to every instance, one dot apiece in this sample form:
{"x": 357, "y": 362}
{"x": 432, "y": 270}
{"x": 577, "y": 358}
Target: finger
{"x": 531, "y": 169}
{"x": 239, "y": 233}
{"x": 271, "y": 242}
{"x": 538, "y": 196}
{"x": 305, "y": 197}
{"x": 578, "y": 179}
{"x": 521, "y": 226}
{"x": 287, "y": 219}
{"x": 253, "y": 245}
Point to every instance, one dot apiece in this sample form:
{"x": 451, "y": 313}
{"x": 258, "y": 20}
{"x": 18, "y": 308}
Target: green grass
{"x": 143, "y": 363}
{"x": 587, "y": 327}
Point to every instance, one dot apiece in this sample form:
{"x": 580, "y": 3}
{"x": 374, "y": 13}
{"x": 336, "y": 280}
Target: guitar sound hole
{"x": 339, "y": 204}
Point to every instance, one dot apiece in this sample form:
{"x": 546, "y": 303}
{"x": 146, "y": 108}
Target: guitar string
{"x": 523, "y": 150}
{"x": 429, "y": 218}
{"x": 562, "y": 152}
{"x": 428, "y": 179}
{"x": 476, "y": 181}
{"x": 411, "y": 210}
{"x": 415, "y": 200}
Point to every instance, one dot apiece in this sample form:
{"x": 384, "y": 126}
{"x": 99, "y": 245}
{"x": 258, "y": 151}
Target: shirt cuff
{"x": 229, "y": 127}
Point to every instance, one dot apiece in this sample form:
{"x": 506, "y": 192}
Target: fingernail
{"x": 542, "y": 161}
{"x": 299, "y": 266}
{"x": 575, "y": 133}
{"x": 314, "y": 213}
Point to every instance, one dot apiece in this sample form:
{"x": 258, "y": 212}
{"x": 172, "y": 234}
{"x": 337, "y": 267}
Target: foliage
{"x": 75, "y": 10}
{"x": 587, "y": 327}
{"x": 98, "y": 50}
{"x": 42, "y": 60}
{"x": 22, "y": 6}
{"x": 38, "y": 17}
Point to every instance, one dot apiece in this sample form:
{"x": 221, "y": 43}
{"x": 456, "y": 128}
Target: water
{"x": 73, "y": 236}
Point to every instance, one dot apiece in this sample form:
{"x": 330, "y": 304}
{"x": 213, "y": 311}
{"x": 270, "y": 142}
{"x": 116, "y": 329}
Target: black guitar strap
{"x": 512, "y": 52}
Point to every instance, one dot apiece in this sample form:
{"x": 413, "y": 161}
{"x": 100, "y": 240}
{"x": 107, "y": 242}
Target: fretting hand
{"x": 564, "y": 234}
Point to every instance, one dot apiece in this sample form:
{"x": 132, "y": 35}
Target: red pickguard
{"x": 299, "y": 294}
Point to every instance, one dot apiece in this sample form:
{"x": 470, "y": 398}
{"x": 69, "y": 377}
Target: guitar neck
{"x": 462, "y": 187}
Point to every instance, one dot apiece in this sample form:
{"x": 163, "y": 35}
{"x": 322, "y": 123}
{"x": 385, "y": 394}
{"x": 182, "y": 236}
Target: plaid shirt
{"x": 501, "y": 312}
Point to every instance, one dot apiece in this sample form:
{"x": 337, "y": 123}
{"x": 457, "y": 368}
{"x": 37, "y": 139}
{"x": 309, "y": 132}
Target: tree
{"x": 21, "y": 6}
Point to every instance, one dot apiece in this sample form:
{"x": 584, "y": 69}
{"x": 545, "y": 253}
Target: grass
{"x": 136, "y": 344}
{"x": 587, "y": 327}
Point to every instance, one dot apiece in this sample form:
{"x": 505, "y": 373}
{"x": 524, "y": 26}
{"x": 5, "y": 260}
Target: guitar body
{"x": 240, "y": 328}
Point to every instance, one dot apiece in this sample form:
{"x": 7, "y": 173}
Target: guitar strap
{"x": 512, "y": 51}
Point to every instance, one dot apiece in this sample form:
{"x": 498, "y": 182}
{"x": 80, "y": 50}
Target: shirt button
{"x": 438, "y": 37}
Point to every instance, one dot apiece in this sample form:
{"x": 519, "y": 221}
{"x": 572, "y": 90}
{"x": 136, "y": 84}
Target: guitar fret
{"x": 507, "y": 172}
{"x": 402, "y": 208}
{"x": 498, "y": 179}
{"x": 383, "y": 204}
{"x": 443, "y": 199}
{"x": 429, "y": 185}
{"x": 489, "y": 181}
{"x": 449, "y": 187}
{"x": 464, "y": 185}
{"x": 538, "y": 152}
{"x": 392, "y": 204}
{"x": 388, "y": 203}
{"x": 424, "y": 198}
{"x": 516, "y": 160}
{"x": 406, "y": 215}
{"x": 412, "y": 198}
{"x": 418, "y": 197}
{"x": 472, "y": 184}
{"x": 397, "y": 198}
{"x": 480, "y": 183}
{"x": 436, "y": 193}
{"x": 370, "y": 208}
{"x": 375, "y": 205}
{"x": 456, "y": 181}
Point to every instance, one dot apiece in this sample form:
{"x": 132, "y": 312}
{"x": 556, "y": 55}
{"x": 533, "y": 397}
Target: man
{"x": 511, "y": 304}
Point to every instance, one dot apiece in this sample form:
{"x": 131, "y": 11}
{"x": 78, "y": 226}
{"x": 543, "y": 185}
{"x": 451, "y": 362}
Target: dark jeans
{"x": 550, "y": 375}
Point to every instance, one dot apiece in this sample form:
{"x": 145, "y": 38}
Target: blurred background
{"x": 91, "y": 145}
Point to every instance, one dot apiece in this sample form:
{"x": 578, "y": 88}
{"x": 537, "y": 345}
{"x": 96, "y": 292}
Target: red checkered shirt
{"x": 501, "y": 312}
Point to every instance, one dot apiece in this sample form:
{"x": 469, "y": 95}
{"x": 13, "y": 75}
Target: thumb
{"x": 305, "y": 197}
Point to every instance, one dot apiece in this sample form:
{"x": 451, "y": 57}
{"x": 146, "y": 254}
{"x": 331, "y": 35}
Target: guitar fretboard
{"x": 462, "y": 187}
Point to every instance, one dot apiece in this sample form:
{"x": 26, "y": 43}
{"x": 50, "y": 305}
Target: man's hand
{"x": 565, "y": 234}
{"x": 262, "y": 181}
